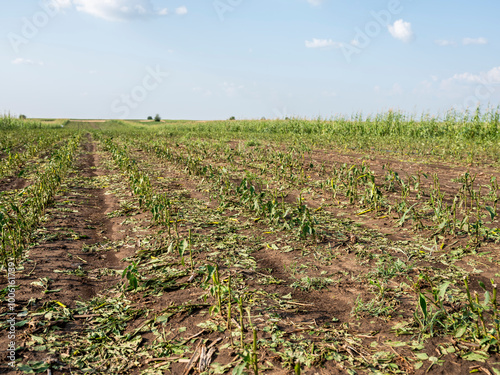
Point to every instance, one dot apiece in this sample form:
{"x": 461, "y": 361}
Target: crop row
{"x": 33, "y": 145}
{"x": 247, "y": 192}
{"x": 20, "y": 214}
{"x": 468, "y": 210}
{"x": 225, "y": 298}
{"x": 232, "y": 303}
{"x": 471, "y": 317}
{"x": 468, "y": 135}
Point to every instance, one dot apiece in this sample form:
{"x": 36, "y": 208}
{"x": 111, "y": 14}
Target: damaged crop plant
{"x": 361, "y": 245}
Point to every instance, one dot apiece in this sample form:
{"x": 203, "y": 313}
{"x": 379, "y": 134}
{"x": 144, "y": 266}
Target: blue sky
{"x": 187, "y": 59}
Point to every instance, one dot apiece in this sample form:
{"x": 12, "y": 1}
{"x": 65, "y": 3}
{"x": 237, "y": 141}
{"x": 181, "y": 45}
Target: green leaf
{"x": 451, "y": 350}
{"x": 442, "y": 289}
{"x": 487, "y": 299}
{"x": 51, "y": 291}
{"x": 238, "y": 370}
{"x": 219, "y": 369}
{"x": 395, "y": 344}
{"x": 34, "y": 367}
{"x": 423, "y": 305}
{"x": 163, "y": 318}
{"x": 491, "y": 212}
{"x": 37, "y": 339}
{"x": 460, "y": 331}
{"x": 422, "y": 356}
{"x": 26, "y": 369}
{"x": 476, "y": 356}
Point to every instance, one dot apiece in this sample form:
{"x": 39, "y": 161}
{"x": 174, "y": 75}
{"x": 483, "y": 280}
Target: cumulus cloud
{"x": 468, "y": 41}
{"x": 487, "y": 78}
{"x": 121, "y": 10}
{"x": 181, "y": 11}
{"x": 322, "y": 43}
{"x": 465, "y": 42}
{"x": 20, "y": 61}
{"x": 445, "y": 43}
{"x": 402, "y": 30}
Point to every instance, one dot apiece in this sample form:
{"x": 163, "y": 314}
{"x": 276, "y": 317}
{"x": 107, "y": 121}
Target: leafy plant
{"x": 131, "y": 273}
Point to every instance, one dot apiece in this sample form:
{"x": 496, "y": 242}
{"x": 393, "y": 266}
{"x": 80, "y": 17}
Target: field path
{"x": 77, "y": 219}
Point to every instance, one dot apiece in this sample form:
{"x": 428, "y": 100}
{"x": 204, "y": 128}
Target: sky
{"x": 212, "y": 59}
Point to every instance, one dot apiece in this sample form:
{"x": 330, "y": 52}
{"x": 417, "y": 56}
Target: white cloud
{"x": 322, "y": 43}
{"x": 181, "y": 11}
{"x": 465, "y": 42}
{"x": 402, "y": 30}
{"x": 20, "y": 61}
{"x": 490, "y": 77}
{"x": 202, "y": 91}
{"x": 461, "y": 85}
{"x": 60, "y": 4}
{"x": 395, "y": 90}
{"x": 468, "y": 41}
{"x": 121, "y": 10}
{"x": 445, "y": 43}
{"x": 231, "y": 89}
{"x": 315, "y": 2}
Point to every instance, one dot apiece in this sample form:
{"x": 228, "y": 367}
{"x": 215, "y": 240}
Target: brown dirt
{"x": 61, "y": 242}
{"x": 13, "y": 183}
{"x": 336, "y": 301}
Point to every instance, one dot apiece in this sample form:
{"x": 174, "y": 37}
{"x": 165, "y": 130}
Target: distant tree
{"x": 232, "y": 118}
{"x": 157, "y": 118}
{"x": 150, "y": 117}
{"x": 22, "y": 117}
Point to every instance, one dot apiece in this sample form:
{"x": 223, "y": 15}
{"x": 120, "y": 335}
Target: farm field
{"x": 345, "y": 246}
